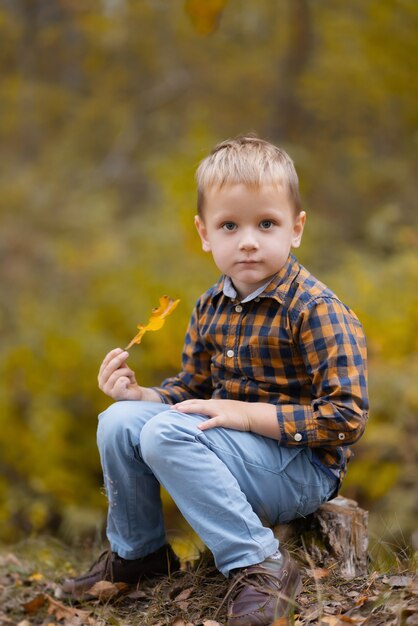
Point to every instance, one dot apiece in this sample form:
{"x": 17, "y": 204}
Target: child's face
{"x": 249, "y": 232}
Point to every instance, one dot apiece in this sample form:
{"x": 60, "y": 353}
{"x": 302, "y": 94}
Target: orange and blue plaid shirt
{"x": 296, "y": 346}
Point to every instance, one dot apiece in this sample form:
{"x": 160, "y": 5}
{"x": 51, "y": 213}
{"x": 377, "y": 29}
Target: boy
{"x": 257, "y": 424}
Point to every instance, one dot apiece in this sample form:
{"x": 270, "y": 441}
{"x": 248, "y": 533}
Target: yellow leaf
{"x": 157, "y": 319}
{"x": 36, "y": 577}
{"x": 204, "y": 15}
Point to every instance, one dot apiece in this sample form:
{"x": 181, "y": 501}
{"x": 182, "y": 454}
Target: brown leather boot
{"x": 109, "y": 566}
{"x": 262, "y": 593}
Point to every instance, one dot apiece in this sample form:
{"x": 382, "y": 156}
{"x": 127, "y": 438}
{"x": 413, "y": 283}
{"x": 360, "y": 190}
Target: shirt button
{"x": 341, "y": 436}
{"x": 238, "y": 308}
{"x": 230, "y": 353}
{"x": 298, "y": 437}
{"x": 256, "y": 299}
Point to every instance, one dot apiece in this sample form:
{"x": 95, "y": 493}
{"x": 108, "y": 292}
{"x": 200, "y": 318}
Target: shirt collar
{"x": 280, "y": 284}
{"x": 230, "y": 291}
{"x": 276, "y": 288}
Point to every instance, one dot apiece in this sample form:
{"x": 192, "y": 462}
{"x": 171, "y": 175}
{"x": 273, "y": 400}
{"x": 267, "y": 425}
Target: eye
{"x": 266, "y": 224}
{"x": 229, "y": 226}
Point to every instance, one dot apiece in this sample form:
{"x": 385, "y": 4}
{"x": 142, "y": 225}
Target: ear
{"x": 298, "y": 227}
{"x": 203, "y": 234}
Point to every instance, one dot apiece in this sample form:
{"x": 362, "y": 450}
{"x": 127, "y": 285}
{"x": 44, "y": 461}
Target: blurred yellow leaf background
{"x": 106, "y": 109}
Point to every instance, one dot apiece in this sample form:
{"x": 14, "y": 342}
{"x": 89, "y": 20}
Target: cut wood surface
{"x": 335, "y": 535}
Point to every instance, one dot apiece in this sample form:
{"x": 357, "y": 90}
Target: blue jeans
{"x": 226, "y": 483}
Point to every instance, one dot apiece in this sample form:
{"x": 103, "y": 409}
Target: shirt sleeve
{"x": 194, "y": 380}
{"x": 332, "y": 345}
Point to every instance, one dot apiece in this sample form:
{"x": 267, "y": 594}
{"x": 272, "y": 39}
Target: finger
{"x": 114, "y": 364}
{"x": 109, "y": 356}
{"x": 123, "y": 372}
{"x": 213, "y": 422}
{"x": 182, "y": 406}
{"x": 184, "y": 403}
{"x": 196, "y": 406}
{"x": 121, "y": 385}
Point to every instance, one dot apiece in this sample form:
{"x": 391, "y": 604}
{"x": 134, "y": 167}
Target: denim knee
{"x": 110, "y": 421}
{"x": 157, "y": 438}
{"x": 117, "y": 427}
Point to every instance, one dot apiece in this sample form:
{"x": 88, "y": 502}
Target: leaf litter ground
{"x": 30, "y": 594}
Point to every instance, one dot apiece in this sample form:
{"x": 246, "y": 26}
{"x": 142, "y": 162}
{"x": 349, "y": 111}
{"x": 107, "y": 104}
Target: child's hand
{"x": 116, "y": 379}
{"x": 226, "y": 413}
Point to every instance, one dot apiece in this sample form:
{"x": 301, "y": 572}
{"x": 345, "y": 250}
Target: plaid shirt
{"x": 296, "y": 346}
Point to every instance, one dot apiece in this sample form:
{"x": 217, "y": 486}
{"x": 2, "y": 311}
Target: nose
{"x": 248, "y": 240}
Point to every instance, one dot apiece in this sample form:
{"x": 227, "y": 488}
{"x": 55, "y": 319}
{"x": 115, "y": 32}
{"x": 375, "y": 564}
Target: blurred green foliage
{"x": 105, "y": 110}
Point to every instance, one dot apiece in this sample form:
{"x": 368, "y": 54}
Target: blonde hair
{"x": 247, "y": 160}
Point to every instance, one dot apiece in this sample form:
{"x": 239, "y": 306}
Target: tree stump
{"x": 335, "y": 535}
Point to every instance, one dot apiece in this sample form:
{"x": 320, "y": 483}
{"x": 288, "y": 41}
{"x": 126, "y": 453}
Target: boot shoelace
{"x": 260, "y": 579}
{"x": 105, "y": 556}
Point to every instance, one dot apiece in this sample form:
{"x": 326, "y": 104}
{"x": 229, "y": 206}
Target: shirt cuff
{"x": 164, "y": 396}
{"x": 297, "y": 424}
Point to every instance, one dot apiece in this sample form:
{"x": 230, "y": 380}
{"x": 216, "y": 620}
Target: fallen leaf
{"x": 360, "y": 601}
{"x": 34, "y": 605}
{"x": 211, "y": 622}
{"x": 339, "y": 620}
{"x": 330, "y": 620}
{"x": 282, "y": 621}
{"x": 104, "y": 589}
{"x": 136, "y": 595}
{"x": 372, "y": 579}
{"x": 157, "y": 319}
{"x": 312, "y": 613}
{"x": 184, "y": 595}
{"x": 60, "y": 611}
{"x": 24, "y": 622}
{"x": 178, "y": 621}
{"x": 409, "y": 612}
{"x": 318, "y": 573}
{"x": 397, "y": 581}
{"x": 332, "y": 608}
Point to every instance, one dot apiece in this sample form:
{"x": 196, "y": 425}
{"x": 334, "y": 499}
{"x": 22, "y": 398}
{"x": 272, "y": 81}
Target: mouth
{"x": 248, "y": 262}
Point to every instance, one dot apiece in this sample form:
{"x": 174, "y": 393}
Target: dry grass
{"x": 29, "y": 593}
